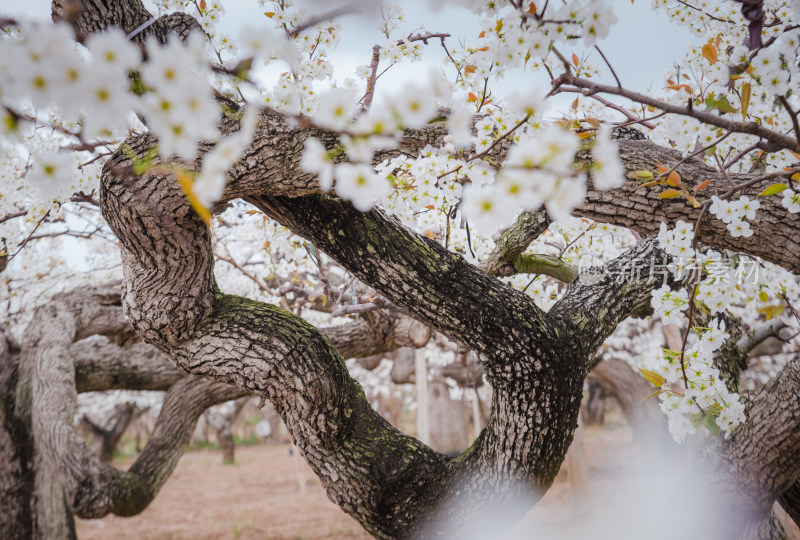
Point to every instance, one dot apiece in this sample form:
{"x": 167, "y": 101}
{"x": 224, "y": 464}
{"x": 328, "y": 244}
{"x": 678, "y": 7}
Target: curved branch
{"x": 778, "y": 140}
{"x": 87, "y": 17}
{"x": 270, "y": 166}
{"x": 762, "y": 458}
{"x": 514, "y": 241}
{"x": 598, "y": 300}
{"x": 93, "y": 488}
{"x": 412, "y": 271}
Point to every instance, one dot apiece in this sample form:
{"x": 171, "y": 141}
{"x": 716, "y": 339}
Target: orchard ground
{"x": 259, "y": 498}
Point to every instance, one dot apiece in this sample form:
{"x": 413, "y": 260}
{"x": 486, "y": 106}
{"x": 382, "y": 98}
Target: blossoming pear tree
{"x": 521, "y": 234}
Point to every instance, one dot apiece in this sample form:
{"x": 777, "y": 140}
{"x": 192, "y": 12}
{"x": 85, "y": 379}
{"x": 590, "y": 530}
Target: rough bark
{"x": 790, "y": 501}
{"x": 93, "y": 488}
{"x": 89, "y": 16}
{"x": 759, "y": 463}
{"x": 535, "y": 363}
{"x": 16, "y": 453}
{"x": 776, "y": 232}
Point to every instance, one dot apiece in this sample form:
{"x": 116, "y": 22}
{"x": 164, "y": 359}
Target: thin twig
{"x": 756, "y": 180}
{"x": 740, "y": 155}
{"x": 776, "y": 140}
{"x": 614, "y": 73}
{"x": 792, "y": 115}
{"x": 322, "y": 17}
{"x": 6, "y": 217}
{"x": 230, "y": 260}
{"x": 24, "y": 242}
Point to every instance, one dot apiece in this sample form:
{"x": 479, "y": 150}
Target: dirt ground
{"x": 260, "y": 498}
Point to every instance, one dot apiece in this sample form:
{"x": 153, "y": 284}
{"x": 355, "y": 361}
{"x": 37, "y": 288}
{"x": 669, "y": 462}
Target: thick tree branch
{"x": 599, "y": 299}
{"x": 412, "y": 271}
{"x": 763, "y": 454}
{"x": 93, "y": 488}
{"x": 514, "y": 241}
{"x": 776, "y": 232}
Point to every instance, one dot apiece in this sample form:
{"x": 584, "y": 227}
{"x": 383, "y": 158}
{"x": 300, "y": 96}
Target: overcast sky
{"x": 640, "y": 46}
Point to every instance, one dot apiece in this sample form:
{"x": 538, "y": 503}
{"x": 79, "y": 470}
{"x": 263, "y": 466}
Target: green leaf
{"x": 721, "y": 105}
{"x": 654, "y": 378}
{"x": 711, "y": 425}
{"x": 644, "y": 176}
{"x": 773, "y": 189}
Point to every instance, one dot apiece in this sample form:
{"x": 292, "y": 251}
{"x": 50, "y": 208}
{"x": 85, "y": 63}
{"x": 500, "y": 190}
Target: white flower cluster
{"x": 791, "y": 201}
{"x": 510, "y": 39}
{"x": 773, "y": 65}
{"x": 538, "y": 170}
{"x": 181, "y": 109}
{"x": 703, "y": 396}
{"x": 693, "y": 393}
{"x": 734, "y": 214}
{"x": 669, "y": 305}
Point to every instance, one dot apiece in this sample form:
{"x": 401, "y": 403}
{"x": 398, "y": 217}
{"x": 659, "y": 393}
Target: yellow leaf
{"x": 185, "y": 180}
{"x": 269, "y": 14}
{"x": 669, "y": 194}
{"x": 472, "y": 97}
{"x": 429, "y": 234}
{"x": 710, "y": 52}
{"x": 680, "y": 87}
{"x": 586, "y": 134}
{"x": 659, "y": 391}
{"x": 594, "y": 122}
{"x": 770, "y": 312}
{"x": 773, "y": 189}
{"x": 654, "y": 378}
{"x": 745, "y": 100}
{"x": 763, "y": 296}
{"x": 575, "y": 59}
{"x": 470, "y": 69}
{"x": 674, "y": 179}
{"x": 702, "y": 185}
{"x": 499, "y": 25}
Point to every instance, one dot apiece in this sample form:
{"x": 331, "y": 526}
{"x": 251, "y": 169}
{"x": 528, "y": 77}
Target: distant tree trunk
{"x": 450, "y": 419}
{"x": 629, "y": 388}
{"x": 124, "y": 414}
{"x": 222, "y": 422}
{"x": 595, "y": 406}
